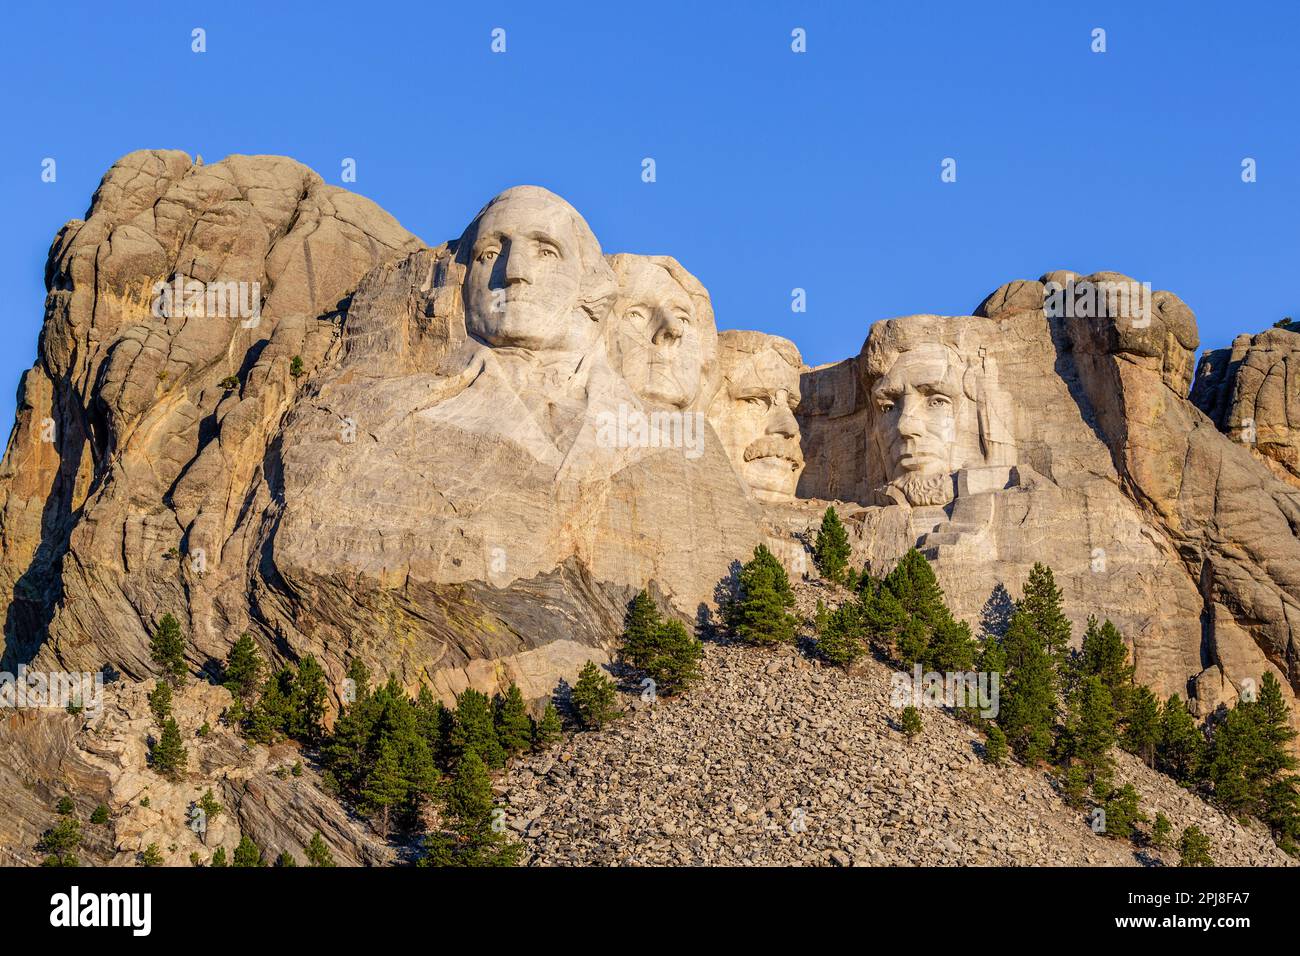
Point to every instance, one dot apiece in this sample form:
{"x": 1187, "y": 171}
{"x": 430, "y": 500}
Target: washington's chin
{"x": 772, "y": 478}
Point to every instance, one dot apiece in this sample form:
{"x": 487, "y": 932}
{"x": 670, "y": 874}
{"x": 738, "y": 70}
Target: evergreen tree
{"x": 306, "y": 713}
{"x": 510, "y": 717}
{"x": 168, "y": 754}
{"x": 640, "y": 623}
{"x": 318, "y": 854}
{"x": 1142, "y": 724}
{"x": 470, "y": 836}
{"x": 64, "y": 806}
{"x": 160, "y": 701}
{"x": 151, "y": 856}
{"x": 951, "y": 647}
{"x": 1042, "y": 605}
{"x": 995, "y": 746}
{"x": 1123, "y": 812}
{"x": 475, "y": 730}
{"x": 1091, "y": 729}
{"x": 100, "y": 816}
{"x": 219, "y": 858}
{"x": 60, "y": 842}
{"x": 760, "y": 614}
{"x": 247, "y": 853}
{"x": 167, "y": 649}
{"x": 594, "y": 697}
{"x": 1194, "y": 848}
{"x": 271, "y": 715}
{"x": 883, "y": 617}
{"x": 285, "y": 859}
{"x": 911, "y": 722}
{"x": 1161, "y": 830}
{"x": 840, "y": 634}
{"x": 1027, "y": 701}
{"x": 243, "y": 670}
{"x": 831, "y": 550}
{"x": 1105, "y": 655}
{"x": 1180, "y": 751}
{"x": 210, "y": 806}
{"x": 548, "y": 730}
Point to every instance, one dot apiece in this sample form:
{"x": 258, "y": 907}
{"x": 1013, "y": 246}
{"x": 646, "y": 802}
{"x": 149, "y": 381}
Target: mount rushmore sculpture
{"x": 460, "y": 462}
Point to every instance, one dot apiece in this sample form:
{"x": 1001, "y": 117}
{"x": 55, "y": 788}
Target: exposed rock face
{"x": 460, "y": 462}
{"x": 1252, "y": 393}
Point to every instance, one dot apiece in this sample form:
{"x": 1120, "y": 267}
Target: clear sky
{"x": 775, "y": 169}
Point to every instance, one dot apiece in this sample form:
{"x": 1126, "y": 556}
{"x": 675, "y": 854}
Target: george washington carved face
{"x": 534, "y": 277}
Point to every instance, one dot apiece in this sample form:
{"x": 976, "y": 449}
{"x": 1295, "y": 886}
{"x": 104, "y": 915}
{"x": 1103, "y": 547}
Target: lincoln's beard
{"x": 922, "y": 490}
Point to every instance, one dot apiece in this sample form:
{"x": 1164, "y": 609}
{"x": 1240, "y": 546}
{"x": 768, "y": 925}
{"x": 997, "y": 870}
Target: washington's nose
{"x": 518, "y": 267}
{"x": 668, "y": 328}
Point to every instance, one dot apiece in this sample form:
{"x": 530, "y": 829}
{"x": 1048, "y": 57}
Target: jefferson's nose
{"x": 668, "y": 328}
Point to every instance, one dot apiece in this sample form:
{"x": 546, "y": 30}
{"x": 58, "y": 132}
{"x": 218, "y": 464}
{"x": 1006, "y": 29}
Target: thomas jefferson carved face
{"x": 754, "y": 411}
{"x": 527, "y": 257}
{"x": 662, "y": 336}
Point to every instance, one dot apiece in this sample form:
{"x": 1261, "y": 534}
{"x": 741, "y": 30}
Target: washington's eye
{"x": 487, "y": 255}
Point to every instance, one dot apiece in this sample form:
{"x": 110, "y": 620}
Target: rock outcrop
{"x": 261, "y": 405}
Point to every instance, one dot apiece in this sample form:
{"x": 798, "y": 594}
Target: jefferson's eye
{"x": 487, "y": 255}
{"x": 683, "y": 318}
{"x": 634, "y": 313}
{"x": 757, "y": 401}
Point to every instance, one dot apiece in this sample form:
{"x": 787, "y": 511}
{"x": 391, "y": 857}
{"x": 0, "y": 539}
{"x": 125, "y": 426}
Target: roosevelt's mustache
{"x": 775, "y": 446}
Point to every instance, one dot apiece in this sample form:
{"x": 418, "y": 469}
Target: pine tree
{"x": 1027, "y": 701}
{"x": 510, "y": 717}
{"x": 60, "y": 841}
{"x": 831, "y": 550}
{"x": 169, "y": 755}
{"x": 951, "y": 648}
{"x": 167, "y": 649}
{"x": 247, "y": 853}
{"x": 1180, "y": 751}
{"x": 760, "y": 614}
{"x": 475, "y": 730}
{"x": 100, "y": 816}
{"x": 548, "y": 730}
{"x": 911, "y": 722}
{"x": 1105, "y": 655}
{"x": 675, "y": 663}
{"x": 64, "y": 806}
{"x": 1042, "y": 605}
{"x": 883, "y": 617}
{"x": 1161, "y": 830}
{"x": 1123, "y": 812}
{"x": 1142, "y": 724}
{"x": 271, "y": 715}
{"x": 318, "y": 854}
{"x": 151, "y": 856}
{"x": 210, "y": 806}
{"x": 469, "y": 836}
{"x": 640, "y": 624}
{"x": 1194, "y": 848}
{"x": 306, "y": 712}
{"x": 219, "y": 858}
{"x": 840, "y": 634}
{"x": 1091, "y": 729}
{"x": 995, "y": 746}
{"x": 243, "y": 669}
{"x": 593, "y": 697}
{"x": 285, "y": 859}
{"x": 160, "y": 701}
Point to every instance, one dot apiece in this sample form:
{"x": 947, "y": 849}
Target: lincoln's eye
{"x": 548, "y": 252}
{"x": 939, "y": 401}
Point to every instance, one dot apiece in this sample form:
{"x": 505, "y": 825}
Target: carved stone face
{"x": 754, "y": 414}
{"x": 524, "y": 274}
{"x": 658, "y": 339}
{"x": 917, "y": 404}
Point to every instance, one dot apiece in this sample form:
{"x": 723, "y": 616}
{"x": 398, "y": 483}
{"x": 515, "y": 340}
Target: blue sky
{"x": 775, "y": 170}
